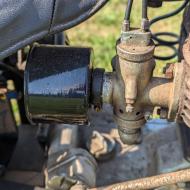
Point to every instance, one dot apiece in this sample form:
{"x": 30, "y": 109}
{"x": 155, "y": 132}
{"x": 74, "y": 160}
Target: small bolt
{"x": 168, "y": 70}
{"x": 97, "y": 108}
{"x": 163, "y": 113}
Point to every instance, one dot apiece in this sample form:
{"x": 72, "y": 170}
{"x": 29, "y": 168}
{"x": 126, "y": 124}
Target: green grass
{"x": 103, "y": 29}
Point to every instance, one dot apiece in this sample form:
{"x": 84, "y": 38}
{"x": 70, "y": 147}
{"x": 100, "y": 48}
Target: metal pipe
{"x": 151, "y": 182}
{"x": 157, "y": 93}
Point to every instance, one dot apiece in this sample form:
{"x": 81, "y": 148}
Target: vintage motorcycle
{"x": 49, "y": 90}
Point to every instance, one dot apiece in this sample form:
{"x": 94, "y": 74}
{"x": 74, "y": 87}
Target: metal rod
{"x": 151, "y": 182}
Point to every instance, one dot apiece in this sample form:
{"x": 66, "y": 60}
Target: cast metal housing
{"x": 57, "y": 84}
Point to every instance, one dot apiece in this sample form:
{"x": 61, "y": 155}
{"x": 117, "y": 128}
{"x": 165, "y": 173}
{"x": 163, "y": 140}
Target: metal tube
{"x": 157, "y": 93}
{"x": 151, "y": 182}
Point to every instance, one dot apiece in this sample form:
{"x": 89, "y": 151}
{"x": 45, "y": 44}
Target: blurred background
{"x": 102, "y": 30}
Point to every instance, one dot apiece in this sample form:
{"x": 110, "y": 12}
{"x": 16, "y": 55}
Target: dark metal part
{"x": 2, "y": 170}
{"x": 184, "y": 107}
{"x": 130, "y": 131}
{"x": 57, "y": 84}
{"x": 185, "y": 139}
{"x": 67, "y": 163}
{"x": 43, "y": 134}
{"x": 151, "y": 182}
{"x": 17, "y": 186}
{"x": 97, "y": 88}
{"x": 154, "y": 3}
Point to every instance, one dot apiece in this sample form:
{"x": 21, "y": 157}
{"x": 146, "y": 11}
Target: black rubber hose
{"x": 145, "y": 9}
{"x": 161, "y": 42}
{"x": 173, "y": 13}
{"x": 165, "y": 58}
{"x": 166, "y": 42}
{"x": 11, "y": 69}
{"x": 128, "y": 10}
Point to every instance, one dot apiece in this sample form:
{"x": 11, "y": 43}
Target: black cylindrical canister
{"x": 57, "y": 83}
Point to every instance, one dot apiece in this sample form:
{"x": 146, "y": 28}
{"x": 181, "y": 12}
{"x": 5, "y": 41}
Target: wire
{"x": 145, "y": 9}
{"x": 165, "y": 58}
{"x": 173, "y": 13}
{"x": 166, "y": 43}
{"x": 128, "y": 10}
{"x": 11, "y": 69}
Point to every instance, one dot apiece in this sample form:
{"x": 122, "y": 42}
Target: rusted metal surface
{"x": 184, "y": 106}
{"x": 176, "y": 90}
{"x": 67, "y": 163}
{"x": 135, "y": 57}
{"x": 169, "y": 70}
{"x": 134, "y": 90}
{"x": 107, "y": 91}
{"x": 185, "y": 30}
{"x": 134, "y": 65}
{"x": 151, "y": 182}
{"x": 135, "y": 36}
{"x": 157, "y": 93}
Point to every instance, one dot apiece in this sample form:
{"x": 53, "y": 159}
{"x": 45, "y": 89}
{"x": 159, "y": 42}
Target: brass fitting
{"x": 133, "y": 72}
{"x": 132, "y": 89}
